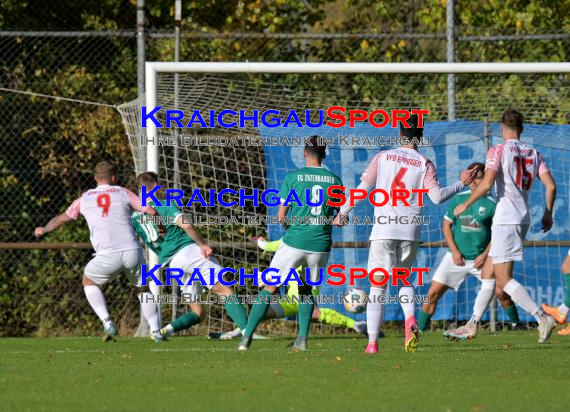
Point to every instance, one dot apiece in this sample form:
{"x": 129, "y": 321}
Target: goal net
{"x": 454, "y": 143}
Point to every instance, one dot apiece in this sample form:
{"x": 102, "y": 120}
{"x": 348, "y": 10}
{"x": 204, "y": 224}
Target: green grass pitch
{"x": 502, "y": 372}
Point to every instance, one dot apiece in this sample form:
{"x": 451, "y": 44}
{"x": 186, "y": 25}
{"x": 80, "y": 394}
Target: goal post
{"x": 152, "y": 69}
{"x": 538, "y": 89}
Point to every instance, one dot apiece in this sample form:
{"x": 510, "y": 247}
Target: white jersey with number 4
{"x": 399, "y": 168}
{"x": 108, "y": 210}
{"x": 517, "y": 165}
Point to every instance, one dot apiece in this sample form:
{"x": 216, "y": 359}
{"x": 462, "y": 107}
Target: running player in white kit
{"x": 512, "y": 166}
{"x": 107, "y": 209}
{"x": 394, "y": 245}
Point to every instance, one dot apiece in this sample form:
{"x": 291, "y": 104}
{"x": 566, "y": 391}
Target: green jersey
{"x": 308, "y": 230}
{"x": 472, "y": 229}
{"x": 175, "y": 238}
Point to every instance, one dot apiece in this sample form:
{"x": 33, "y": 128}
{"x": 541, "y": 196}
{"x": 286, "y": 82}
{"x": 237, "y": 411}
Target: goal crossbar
{"x": 152, "y": 69}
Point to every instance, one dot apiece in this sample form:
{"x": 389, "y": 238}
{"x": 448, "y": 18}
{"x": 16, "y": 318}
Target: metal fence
{"x": 50, "y": 144}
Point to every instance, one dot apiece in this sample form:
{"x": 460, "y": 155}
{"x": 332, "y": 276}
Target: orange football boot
{"x": 554, "y": 312}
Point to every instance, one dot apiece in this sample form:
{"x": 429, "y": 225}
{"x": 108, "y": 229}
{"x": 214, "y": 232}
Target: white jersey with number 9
{"x": 108, "y": 210}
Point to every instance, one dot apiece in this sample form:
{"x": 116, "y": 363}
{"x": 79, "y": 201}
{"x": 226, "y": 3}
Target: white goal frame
{"x": 152, "y": 69}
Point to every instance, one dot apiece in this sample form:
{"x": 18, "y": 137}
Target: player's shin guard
{"x": 97, "y": 301}
{"x": 236, "y": 311}
{"x": 258, "y": 311}
{"x": 185, "y": 321}
{"x": 305, "y": 313}
{"x": 374, "y": 313}
{"x": 520, "y": 296}
{"x": 406, "y": 295}
{"x": 332, "y": 317}
{"x": 483, "y": 299}
{"x": 150, "y": 310}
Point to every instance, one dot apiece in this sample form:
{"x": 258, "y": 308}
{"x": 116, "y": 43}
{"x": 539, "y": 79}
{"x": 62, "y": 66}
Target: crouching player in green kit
{"x": 183, "y": 247}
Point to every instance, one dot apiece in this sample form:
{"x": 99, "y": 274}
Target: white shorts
{"x": 449, "y": 274}
{"x": 103, "y": 268}
{"x": 287, "y": 258}
{"x": 389, "y": 254}
{"x": 190, "y": 258}
{"x": 507, "y": 243}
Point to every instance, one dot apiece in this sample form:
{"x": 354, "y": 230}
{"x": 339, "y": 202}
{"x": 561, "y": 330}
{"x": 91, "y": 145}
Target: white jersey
{"x": 399, "y": 168}
{"x": 517, "y": 165}
{"x": 108, "y": 210}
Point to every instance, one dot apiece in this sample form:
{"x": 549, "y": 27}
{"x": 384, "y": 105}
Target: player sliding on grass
{"x": 303, "y": 245}
{"x": 469, "y": 240}
{"x": 107, "y": 209}
{"x": 184, "y": 248}
{"x": 560, "y": 313}
{"x": 287, "y": 308}
{"x": 512, "y": 166}
{"x": 395, "y": 245}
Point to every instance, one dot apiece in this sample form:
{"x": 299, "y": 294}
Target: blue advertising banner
{"x": 452, "y": 147}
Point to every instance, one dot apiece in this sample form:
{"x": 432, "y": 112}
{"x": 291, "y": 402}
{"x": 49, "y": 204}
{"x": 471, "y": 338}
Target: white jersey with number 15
{"x": 517, "y": 165}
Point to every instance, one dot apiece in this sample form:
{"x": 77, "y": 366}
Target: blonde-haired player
{"x": 107, "y": 209}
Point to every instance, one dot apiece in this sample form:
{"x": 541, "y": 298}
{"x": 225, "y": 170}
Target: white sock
{"x": 406, "y": 294}
{"x": 97, "y": 301}
{"x": 374, "y": 313}
{"x": 563, "y": 309}
{"x": 150, "y": 311}
{"x": 520, "y": 296}
{"x": 483, "y": 299}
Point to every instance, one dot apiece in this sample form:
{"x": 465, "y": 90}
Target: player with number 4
{"x": 394, "y": 245}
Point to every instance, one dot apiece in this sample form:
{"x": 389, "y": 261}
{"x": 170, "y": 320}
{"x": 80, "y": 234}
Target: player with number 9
{"x": 107, "y": 209}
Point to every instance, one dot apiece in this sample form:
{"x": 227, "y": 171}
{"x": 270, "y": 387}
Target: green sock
{"x": 512, "y": 313}
{"x": 567, "y": 287}
{"x": 424, "y": 320}
{"x": 236, "y": 311}
{"x": 258, "y": 311}
{"x": 185, "y": 321}
{"x": 305, "y": 314}
{"x": 332, "y": 317}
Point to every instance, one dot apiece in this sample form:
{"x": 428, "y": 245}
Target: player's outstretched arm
{"x": 196, "y": 237}
{"x": 346, "y": 208}
{"x": 438, "y": 194}
{"x": 548, "y": 181}
{"x": 479, "y": 192}
{"x": 266, "y": 246}
{"x": 52, "y": 225}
